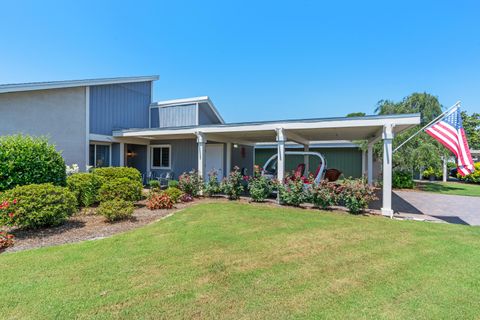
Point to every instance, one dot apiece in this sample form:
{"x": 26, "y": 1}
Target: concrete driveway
{"x": 433, "y": 206}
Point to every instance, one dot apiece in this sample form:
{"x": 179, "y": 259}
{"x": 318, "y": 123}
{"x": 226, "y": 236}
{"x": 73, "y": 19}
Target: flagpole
{"x": 427, "y": 125}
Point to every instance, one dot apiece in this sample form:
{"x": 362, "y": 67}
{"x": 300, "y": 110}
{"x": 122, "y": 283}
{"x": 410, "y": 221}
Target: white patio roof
{"x": 303, "y": 131}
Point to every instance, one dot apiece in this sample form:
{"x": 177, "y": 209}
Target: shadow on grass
{"x": 437, "y": 187}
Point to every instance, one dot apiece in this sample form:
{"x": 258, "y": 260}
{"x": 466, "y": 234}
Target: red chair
{"x": 299, "y": 171}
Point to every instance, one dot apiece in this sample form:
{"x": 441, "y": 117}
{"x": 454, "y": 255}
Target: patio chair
{"x": 146, "y": 177}
{"x": 164, "y": 177}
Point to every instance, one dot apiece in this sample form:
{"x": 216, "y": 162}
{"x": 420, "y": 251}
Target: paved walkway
{"x": 437, "y": 207}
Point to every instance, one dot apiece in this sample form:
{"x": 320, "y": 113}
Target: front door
{"x": 214, "y": 160}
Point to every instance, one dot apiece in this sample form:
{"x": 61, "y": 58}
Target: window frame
{"x": 161, "y": 146}
{"x": 109, "y": 145}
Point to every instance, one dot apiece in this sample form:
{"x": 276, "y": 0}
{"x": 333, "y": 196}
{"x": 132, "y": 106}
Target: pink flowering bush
{"x": 259, "y": 187}
{"x": 293, "y": 192}
{"x": 324, "y": 194}
{"x": 186, "y": 198}
{"x": 232, "y": 185}
{"x": 190, "y": 183}
{"x": 212, "y": 187}
{"x": 355, "y": 194}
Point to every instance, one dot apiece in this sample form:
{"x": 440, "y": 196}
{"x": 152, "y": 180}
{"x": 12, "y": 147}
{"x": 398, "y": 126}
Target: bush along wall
{"x": 26, "y": 160}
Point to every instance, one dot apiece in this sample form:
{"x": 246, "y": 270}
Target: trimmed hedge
{"x": 85, "y": 186}
{"x": 37, "y": 205}
{"x": 27, "y": 160}
{"x": 110, "y": 173}
{"x": 121, "y": 188}
{"x": 174, "y": 194}
{"x": 117, "y": 209}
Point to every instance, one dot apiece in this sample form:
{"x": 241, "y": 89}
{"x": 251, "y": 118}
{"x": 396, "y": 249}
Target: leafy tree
{"x": 356, "y": 114}
{"x": 471, "y": 125}
{"x": 421, "y": 151}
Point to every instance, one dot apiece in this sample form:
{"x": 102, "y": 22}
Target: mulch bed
{"x": 87, "y": 226}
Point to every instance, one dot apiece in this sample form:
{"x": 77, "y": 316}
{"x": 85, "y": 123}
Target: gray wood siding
{"x": 206, "y": 115}
{"x": 184, "y": 155}
{"x": 59, "y": 114}
{"x": 119, "y": 106}
{"x": 245, "y": 161}
{"x": 178, "y": 116}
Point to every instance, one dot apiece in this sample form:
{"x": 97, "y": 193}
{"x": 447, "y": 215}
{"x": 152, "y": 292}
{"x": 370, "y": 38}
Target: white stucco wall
{"x": 58, "y": 114}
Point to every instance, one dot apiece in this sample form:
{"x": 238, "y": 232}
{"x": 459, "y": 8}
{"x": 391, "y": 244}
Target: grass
{"x": 456, "y": 188}
{"x": 239, "y": 261}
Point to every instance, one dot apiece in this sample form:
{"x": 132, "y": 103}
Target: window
{"x": 99, "y": 155}
{"x": 160, "y": 156}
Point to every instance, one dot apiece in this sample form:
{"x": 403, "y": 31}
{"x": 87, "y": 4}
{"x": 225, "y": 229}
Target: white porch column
{"x": 306, "y": 159}
{"x": 201, "y": 142}
{"x": 122, "y": 154}
{"x": 228, "y": 159}
{"x": 281, "y": 139}
{"x": 370, "y": 164}
{"x": 387, "y": 170}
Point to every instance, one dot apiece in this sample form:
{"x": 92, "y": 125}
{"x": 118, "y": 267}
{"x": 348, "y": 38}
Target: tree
{"x": 356, "y": 114}
{"x": 471, "y": 125}
{"x": 421, "y": 151}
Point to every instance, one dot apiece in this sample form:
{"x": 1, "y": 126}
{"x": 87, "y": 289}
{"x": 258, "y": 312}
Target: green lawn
{"x": 462, "y": 189}
{"x": 239, "y": 261}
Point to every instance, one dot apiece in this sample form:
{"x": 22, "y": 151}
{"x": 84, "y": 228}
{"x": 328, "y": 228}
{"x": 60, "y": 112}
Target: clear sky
{"x": 257, "y": 60}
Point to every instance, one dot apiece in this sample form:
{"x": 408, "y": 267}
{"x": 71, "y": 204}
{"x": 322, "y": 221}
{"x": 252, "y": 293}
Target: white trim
{"x": 312, "y": 144}
{"x": 87, "y": 127}
{"x": 107, "y": 138}
{"x": 152, "y": 146}
{"x": 17, "y": 87}
{"x": 121, "y": 158}
{"x": 289, "y": 125}
{"x": 197, "y": 113}
{"x": 95, "y": 144}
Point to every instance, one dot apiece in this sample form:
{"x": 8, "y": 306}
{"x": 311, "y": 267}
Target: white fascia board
{"x": 344, "y": 123}
{"x": 110, "y": 139}
{"x": 18, "y": 87}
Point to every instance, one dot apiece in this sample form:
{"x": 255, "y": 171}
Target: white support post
{"x": 281, "y": 139}
{"x": 370, "y": 164}
{"x": 201, "y": 142}
{"x": 306, "y": 159}
{"x": 229, "y": 159}
{"x": 387, "y": 170}
{"x": 122, "y": 155}
{"x": 445, "y": 173}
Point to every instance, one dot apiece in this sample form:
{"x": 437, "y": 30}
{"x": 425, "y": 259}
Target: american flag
{"x": 449, "y": 132}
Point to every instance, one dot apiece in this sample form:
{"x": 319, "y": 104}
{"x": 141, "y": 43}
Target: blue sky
{"x": 256, "y": 60}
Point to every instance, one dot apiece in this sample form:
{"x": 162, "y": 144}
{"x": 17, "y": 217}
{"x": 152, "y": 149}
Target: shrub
{"x": 6, "y": 240}
{"x": 154, "y": 184}
{"x": 212, "y": 187}
{"x": 111, "y": 173}
{"x": 259, "y": 187}
{"x": 27, "y": 160}
{"x": 173, "y": 184}
{"x": 186, "y": 198}
{"x": 120, "y": 188}
{"x": 116, "y": 209}
{"x": 190, "y": 183}
{"x": 160, "y": 200}
{"x": 356, "y": 195}
{"x": 402, "y": 180}
{"x": 174, "y": 194}
{"x": 292, "y": 192}
{"x": 324, "y": 194}
{"x": 431, "y": 173}
{"x": 85, "y": 187}
{"x": 473, "y": 177}
{"x": 232, "y": 185}
{"x": 37, "y": 205}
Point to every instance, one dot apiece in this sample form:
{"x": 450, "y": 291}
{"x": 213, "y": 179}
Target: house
{"x": 113, "y": 121}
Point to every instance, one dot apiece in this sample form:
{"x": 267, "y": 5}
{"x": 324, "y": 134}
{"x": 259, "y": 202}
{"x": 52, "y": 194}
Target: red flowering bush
{"x": 293, "y": 192}
{"x": 232, "y": 185}
{"x": 356, "y": 195}
{"x": 6, "y": 240}
{"x": 324, "y": 195}
{"x": 190, "y": 183}
{"x": 159, "y": 200}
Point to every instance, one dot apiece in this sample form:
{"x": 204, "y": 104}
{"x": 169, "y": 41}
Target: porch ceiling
{"x": 302, "y": 131}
